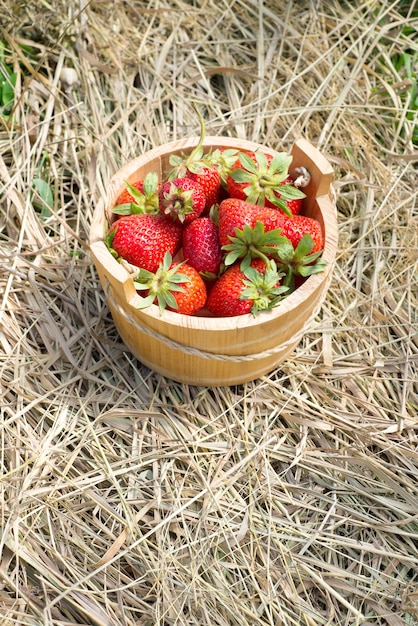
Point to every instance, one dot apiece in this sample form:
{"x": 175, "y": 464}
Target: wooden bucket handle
{"x": 306, "y": 155}
{"x": 121, "y": 281}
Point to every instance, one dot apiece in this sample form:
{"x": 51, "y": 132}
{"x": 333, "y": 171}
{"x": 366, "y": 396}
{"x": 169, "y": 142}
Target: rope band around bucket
{"x": 210, "y": 355}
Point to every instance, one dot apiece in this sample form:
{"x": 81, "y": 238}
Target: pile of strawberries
{"x": 221, "y": 235}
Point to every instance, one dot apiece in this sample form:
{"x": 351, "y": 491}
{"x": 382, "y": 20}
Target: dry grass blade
{"x": 129, "y": 499}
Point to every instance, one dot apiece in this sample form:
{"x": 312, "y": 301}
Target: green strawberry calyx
{"x": 263, "y": 289}
{"x": 108, "y": 239}
{"x": 265, "y": 180}
{"x": 250, "y": 243}
{"x": 145, "y": 201}
{"x": 161, "y": 284}
{"x": 178, "y": 202}
{"x": 223, "y": 160}
{"x": 300, "y": 261}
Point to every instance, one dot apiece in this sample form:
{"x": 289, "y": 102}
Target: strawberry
{"x": 183, "y": 199}
{"x": 235, "y": 187}
{"x": 300, "y": 262}
{"x": 199, "y": 168}
{"x": 300, "y": 225}
{"x": 127, "y": 195}
{"x": 175, "y": 286}
{"x": 143, "y": 239}
{"x": 261, "y": 232}
{"x": 210, "y": 181}
{"x": 259, "y": 178}
{"x": 141, "y": 197}
{"x": 301, "y": 257}
{"x": 201, "y": 246}
{"x": 239, "y": 291}
{"x": 235, "y": 213}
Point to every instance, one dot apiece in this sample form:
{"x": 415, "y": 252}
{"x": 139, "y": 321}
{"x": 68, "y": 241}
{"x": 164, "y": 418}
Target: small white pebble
{"x": 68, "y": 77}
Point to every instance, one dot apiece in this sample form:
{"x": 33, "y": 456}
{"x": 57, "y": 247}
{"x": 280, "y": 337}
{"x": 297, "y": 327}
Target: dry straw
{"x": 127, "y": 499}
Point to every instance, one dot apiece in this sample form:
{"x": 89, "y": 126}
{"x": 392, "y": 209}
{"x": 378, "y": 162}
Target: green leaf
{"x": 123, "y": 209}
{"x": 175, "y": 160}
{"x": 179, "y": 278}
{"x": 109, "y": 236}
{"x": 241, "y": 176}
{"x": 230, "y": 153}
{"x": 245, "y": 263}
{"x": 135, "y": 193}
{"x": 290, "y": 192}
{"x": 150, "y": 183}
{"x": 8, "y": 90}
{"x": 300, "y": 262}
{"x": 253, "y": 243}
{"x": 304, "y": 246}
{"x": 196, "y": 167}
{"x": 251, "y": 273}
{"x": 265, "y": 289}
{"x": 146, "y": 302}
{"x": 166, "y": 299}
{"x": 308, "y": 270}
{"x": 144, "y": 276}
{"x": 247, "y": 162}
{"x": 281, "y": 163}
{"x": 286, "y": 252}
{"x": 261, "y": 160}
{"x": 280, "y": 203}
{"x": 145, "y": 201}
{"x": 253, "y": 196}
{"x": 233, "y": 256}
{"x": 44, "y": 198}
{"x": 161, "y": 284}
{"x": 196, "y": 154}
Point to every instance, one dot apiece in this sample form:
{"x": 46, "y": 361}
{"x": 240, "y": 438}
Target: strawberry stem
{"x": 198, "y": 150}
{"x": 192, "y": 162}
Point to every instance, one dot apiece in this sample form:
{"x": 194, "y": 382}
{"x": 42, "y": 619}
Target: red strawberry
{"x": 183, "y": 199}
{"x": 259, "y": 178}
{"x": 143, "y": 239}
{"x": 175, "y": 286}
{"x": 299, "y": 225}
{"x": 126, "y": 196}
{"x": 201, "y": 246}
{"x": 210, "y": 181}
{"x": 239, "y": 291}
{"x": 236, "y": 188}
{"x": 235, "y": 213}
{"x": 193, "y": 297}
{"x": 141, "y": 197}
{"x": 301, "y": 257}
{"x": 261, "y": 232}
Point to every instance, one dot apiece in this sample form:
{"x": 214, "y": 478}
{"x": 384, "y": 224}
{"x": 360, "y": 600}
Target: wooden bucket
{"x": 212, "y": 351}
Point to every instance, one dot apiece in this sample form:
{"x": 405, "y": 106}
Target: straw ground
{"x": 127, "y": 499}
